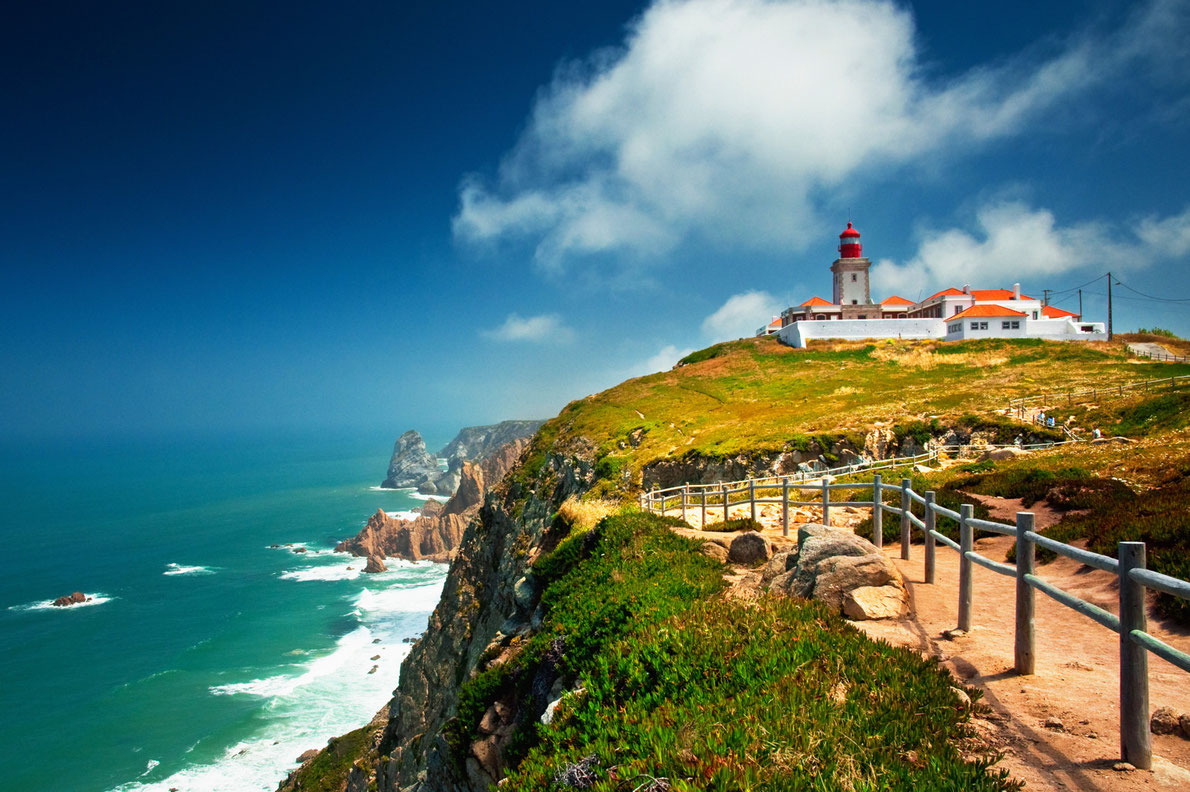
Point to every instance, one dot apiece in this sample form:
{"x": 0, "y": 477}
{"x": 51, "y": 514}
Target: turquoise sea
{"x": 207, "y": 660}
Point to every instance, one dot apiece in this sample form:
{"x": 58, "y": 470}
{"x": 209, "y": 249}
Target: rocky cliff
{"x": 411, "y": 464}
{"x": 436, "y": 534}
{"x": 480, "y": 442}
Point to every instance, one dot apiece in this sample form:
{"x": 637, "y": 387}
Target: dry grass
{"x": 921, "y": 355}
{"x": 586, "y": 514}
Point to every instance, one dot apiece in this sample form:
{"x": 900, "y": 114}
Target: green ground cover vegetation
{"x": 685, "y": 687}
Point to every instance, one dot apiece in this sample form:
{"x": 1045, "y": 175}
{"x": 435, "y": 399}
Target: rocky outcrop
{"x": 70, "y": 599}
{"x": 435, "y": 535}
{"x": 480, "y": 442}
{"x": 846, "y": 572}
{"x": 475, "y": 444}
{"x": 411, "y": 465}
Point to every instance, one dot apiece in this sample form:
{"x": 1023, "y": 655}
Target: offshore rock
{"x": 70, "y": 599}
{"x": 411, "y": 465}
{"x": 375, "y": 564}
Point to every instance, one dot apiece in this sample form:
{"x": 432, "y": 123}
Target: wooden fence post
{"x": 752, "y": 496}
{"x": 905, "y": 524}
{"x": 662, "y": 494}
{"x": 826, "y": 502}
{"x": 930, "y": 521}
{"x": 877, "y": 512}
{"x": 1134, "y": 661}
{"x": 703, "y": 502}
{"x": 785, "y": 506}
{"x": 1023, "y": 643}
{"x": 966, "y": 541}
{"x": 726, "y": 507}
{"x": 685, "y": 491}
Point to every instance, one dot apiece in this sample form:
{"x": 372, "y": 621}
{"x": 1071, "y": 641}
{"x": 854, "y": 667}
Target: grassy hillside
{"x": 757, "y": 395}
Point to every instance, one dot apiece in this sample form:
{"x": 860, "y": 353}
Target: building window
{"x": 979, "y": 325}
{"x": 1035, "y": 314}
{"x": 820, "y": 317}
{"x": 954, "y": 328}
{"x": 853, "y": 277}
{"x": 958, "y": 308}
{"x": 1013, "y": 325}
{"x": 855, "y": 302}
{"x": 861, "y": 316}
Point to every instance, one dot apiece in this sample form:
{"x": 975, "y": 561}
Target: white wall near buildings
{"x": 798, "y": 333}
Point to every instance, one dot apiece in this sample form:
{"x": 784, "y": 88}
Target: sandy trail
{"x": 1077, "y": 679}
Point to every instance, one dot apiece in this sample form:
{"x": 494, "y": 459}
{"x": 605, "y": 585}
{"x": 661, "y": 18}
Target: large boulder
{"x": 749, "y": 548}
{"x": 375, "y": 565}
{"x": 832, "y": 566}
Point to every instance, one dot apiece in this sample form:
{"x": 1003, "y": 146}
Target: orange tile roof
{"x": 814, "y": 302}
{"x": 995, "y": 294}
{"x": 983, "y": 311}
{"x": 945, "y": 293}
{"x": 895, "y": 300}
{"x": 1056, "y": 313}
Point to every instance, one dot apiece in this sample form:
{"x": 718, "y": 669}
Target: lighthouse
{"x": 851, "y": 270}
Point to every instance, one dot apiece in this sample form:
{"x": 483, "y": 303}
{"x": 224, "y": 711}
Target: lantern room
{"x": 849, "y": 244}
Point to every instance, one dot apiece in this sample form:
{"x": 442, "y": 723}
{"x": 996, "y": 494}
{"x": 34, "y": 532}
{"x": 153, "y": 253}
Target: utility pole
{"x": 1045, "y": 296}
{"x": 1080, "y": 305}
{"x": 1109, "y": 327}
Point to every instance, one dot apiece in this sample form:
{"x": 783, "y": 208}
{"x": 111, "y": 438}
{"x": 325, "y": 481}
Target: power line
{"x": 1076, "y": 288}
{"x": 1151, "y": 297}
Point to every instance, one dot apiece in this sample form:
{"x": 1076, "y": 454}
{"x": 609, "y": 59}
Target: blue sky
{"x": 244, "y": 216}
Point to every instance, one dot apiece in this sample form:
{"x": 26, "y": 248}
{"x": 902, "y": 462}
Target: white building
{"x": 951, "y": 314}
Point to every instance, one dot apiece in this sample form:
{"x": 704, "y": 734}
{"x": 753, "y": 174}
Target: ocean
{"x": 207, "y": 659}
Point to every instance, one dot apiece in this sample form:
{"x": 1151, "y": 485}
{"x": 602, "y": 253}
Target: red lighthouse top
{"x": 849, "y": 245}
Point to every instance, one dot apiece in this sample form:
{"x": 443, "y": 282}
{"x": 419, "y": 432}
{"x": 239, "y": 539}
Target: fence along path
{"x": 1130, "y": 625}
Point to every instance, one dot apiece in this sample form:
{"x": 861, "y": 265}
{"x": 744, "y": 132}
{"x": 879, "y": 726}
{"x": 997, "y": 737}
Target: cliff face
{"x": 479, "y": 600}
{"x": 436, "y": 534}
{"x": 411, "y": 465}
{"x": 479, "y": 442}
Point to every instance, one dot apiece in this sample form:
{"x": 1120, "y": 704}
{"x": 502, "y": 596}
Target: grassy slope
{"x": 758, "y": 395}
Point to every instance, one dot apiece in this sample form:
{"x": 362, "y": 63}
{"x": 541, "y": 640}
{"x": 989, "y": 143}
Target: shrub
{"x": 737, "y": 524}
{"x": 586, "y": 514}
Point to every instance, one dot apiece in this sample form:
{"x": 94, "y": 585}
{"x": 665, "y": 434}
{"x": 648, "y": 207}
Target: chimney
{"x": 1016, "y": 291}
{"x": 966, "y": 288}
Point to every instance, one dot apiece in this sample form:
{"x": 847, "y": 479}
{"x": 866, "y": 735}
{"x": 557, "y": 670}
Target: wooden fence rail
{"x": 1134, "y": 577}
{"x": 1019, "y": 405}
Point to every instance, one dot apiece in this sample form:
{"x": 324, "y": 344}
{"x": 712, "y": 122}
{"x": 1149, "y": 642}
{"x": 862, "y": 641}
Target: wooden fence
{"x": 1159, "y": 356}
{"x": 1094, "y": 394}
{"x": 1134, "y": 578}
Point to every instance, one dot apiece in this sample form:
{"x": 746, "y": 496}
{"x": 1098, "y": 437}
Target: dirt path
{"x": 1077, "y": 679}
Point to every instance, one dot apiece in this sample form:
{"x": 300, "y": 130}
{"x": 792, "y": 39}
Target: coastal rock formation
{"x": 475, "y": 444}
{"x": 375, "y": 564}
{"x": 436, "y": 534}
{"x": 411, "y": 465}
{"x": 479, "y": 442}
{"x": 70, "y": 599}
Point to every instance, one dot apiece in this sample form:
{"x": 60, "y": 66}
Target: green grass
{"x": 682, "y": 684}
{"x": 757, "y": 396}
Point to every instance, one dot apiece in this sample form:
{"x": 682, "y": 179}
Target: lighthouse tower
{"x": 851, "y": 270}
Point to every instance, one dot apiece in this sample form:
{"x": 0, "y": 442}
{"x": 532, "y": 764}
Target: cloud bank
{"x": 725, "y": 120}
{"x": 1015, "y": 242}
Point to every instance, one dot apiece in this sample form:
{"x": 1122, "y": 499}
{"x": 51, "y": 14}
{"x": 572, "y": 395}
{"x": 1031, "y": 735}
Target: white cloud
{"x": 1015, "y": 242}
{"x": 544, "y": 328}
{"x": 664, "y": 360}
{"x": 725, "y": 120}
{"x": 741, "y": 315}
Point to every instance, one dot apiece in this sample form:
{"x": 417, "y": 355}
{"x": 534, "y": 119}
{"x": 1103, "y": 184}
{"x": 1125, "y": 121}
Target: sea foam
{"x": 179, "y": 569}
